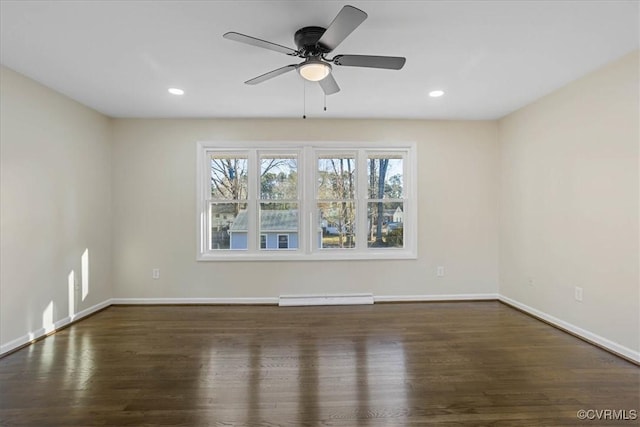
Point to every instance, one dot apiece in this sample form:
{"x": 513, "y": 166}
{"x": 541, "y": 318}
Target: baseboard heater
{"x": 340, "y": 299}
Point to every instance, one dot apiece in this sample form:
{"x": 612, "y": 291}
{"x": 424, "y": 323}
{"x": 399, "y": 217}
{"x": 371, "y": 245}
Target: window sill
{"x": 344, "y": 255}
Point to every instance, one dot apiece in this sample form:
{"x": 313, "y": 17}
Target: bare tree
{"x": 342, "y": 181}
{"x": 278, "y": 179}
{"x": 337, "y": 186}
{"x": 383, "y": 163}
{"x": 228, "y": 178}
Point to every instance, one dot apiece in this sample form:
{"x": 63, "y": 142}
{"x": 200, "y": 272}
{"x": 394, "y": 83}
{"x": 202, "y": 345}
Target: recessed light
{"x": 436, "y": 93}
{"x": 176, "y": 91}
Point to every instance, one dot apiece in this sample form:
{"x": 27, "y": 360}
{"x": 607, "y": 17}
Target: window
{"x": 385, "y": 202}
{"x": 228, "y": 193}
{"x": 279, "y": 198}
{"x": 336, "y": 199}
{"x": 283, "y": 241}
{"x": 262, "y": 201}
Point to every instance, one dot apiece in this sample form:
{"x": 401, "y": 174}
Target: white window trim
{"x": 307, "y": 235}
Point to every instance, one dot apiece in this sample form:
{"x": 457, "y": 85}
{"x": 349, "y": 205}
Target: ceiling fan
{"x": 314, "y": 43}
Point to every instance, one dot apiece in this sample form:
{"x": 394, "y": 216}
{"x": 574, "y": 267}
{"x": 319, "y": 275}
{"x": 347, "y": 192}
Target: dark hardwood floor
{"x": 440, "y": 364}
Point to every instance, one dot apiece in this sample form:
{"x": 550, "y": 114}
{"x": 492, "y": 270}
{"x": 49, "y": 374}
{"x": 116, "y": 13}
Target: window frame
{"x": 372, "y": 154}
{"x": 307, "y": 171}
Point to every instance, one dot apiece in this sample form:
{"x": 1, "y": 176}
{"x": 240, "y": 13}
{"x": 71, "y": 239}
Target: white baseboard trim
{"x": 582, "y": 333}
{"x": 39, "y": 333}
{"x": 195, "y": 301}
{"x": 337, "y": 299}
{"x": 276, "y": 300}
{"x": 427, "y": 298}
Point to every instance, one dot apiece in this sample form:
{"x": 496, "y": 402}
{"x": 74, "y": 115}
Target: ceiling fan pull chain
{"x": 304, "y": 99}
{"x": 325, "y": 102}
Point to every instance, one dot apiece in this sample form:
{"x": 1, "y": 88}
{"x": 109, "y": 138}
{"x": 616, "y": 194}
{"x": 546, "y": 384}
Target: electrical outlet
{"x": 155, "y": 273}
{"x": 440, "y": 271}
{"x": 578, "y": 294}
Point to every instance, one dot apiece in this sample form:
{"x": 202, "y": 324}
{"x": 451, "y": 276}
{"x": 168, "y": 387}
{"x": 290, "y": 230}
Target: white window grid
{"x": 307, "y": 157}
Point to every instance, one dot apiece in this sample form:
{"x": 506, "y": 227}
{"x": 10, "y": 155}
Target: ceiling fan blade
{"x": 242, "y": 38}
{"x": 387, "y": 62}
{"x": 329, "y": 85}
{"x": 271, "y": 74}
{"x": 347, "y": 20}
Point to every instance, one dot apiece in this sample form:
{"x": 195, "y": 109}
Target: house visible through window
{"x": 307, "y": 201}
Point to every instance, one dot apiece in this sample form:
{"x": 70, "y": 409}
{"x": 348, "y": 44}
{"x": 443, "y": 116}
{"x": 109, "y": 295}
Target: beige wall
{"x": 154, "y": 218}
{"x": 55, "y": 203}
{"x": 569, "y": 203}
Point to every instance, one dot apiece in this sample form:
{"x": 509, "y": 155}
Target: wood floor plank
{"x": 433, "y": 364}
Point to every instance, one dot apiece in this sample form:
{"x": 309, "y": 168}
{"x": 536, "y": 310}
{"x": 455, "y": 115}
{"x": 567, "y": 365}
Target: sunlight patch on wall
{"x": 85, "y": 274}
{"x": 71, "y": 284}
{"x": 47, "y": 318}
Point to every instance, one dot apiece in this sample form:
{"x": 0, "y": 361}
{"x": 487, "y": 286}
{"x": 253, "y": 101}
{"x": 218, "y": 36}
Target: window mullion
{"x": 309, "y": 198}
{"x": 302, "y": 215}
{"x": 304, "y": 194}
{"x": 204, "y": 194}
{"x": 253, "y": 210}
{"x": 361, "y": 202}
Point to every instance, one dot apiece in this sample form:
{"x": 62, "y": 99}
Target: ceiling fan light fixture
{"x": 314, "y": 70}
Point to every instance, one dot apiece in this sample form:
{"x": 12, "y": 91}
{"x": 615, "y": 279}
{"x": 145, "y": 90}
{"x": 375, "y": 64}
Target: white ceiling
{"x": 491, "y": 57}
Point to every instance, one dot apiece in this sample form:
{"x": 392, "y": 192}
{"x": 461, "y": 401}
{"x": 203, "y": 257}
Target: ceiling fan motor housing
{"x": 306, "y": 40}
